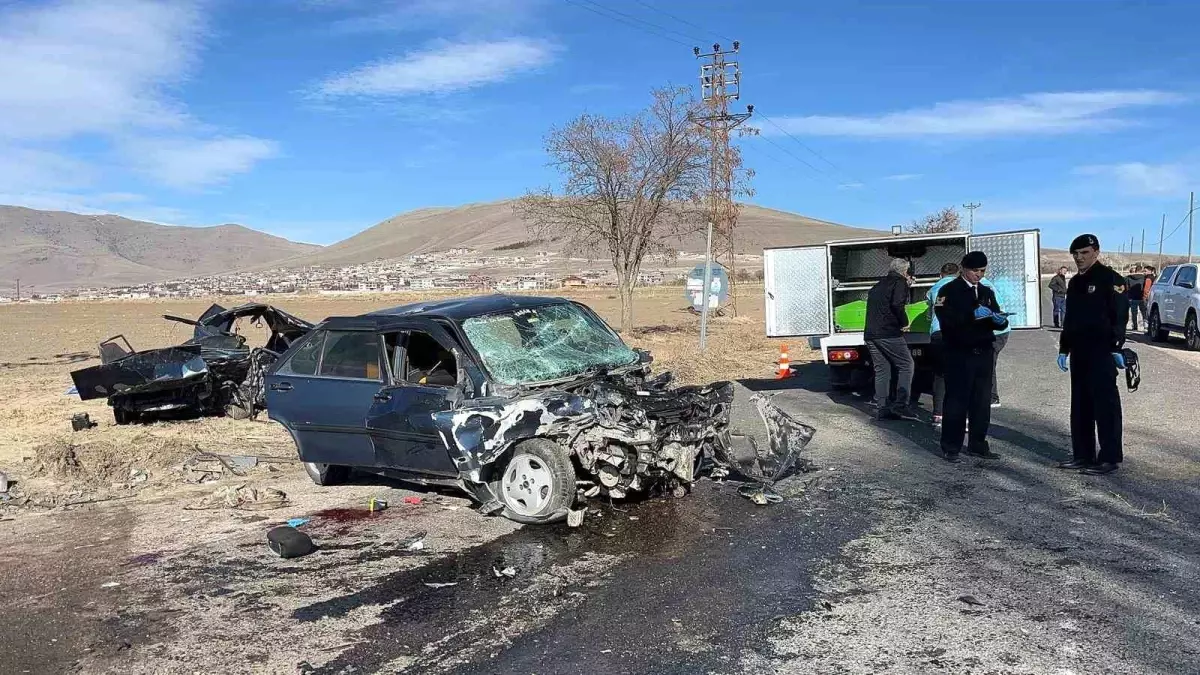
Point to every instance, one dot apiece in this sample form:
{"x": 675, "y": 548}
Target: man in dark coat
{"x": 969, "y": 316}
{"x": 884, "y": 335}
{"x": 1135, "y": 283}
{"x": 1091, "y": 341}
{"x": 1058, "y": 295}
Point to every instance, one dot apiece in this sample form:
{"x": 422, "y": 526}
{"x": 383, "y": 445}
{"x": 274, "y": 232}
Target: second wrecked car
{"x": 525, "y": 403}
{"x": 214, "y": 372}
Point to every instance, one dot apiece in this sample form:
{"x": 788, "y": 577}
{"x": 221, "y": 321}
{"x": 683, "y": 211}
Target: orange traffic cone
{"x": 785, "y": 364}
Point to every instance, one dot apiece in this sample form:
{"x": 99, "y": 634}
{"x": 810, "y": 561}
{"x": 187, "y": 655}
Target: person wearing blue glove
{"x": 968, "y": 315}
{"x": 1092, "y": 338}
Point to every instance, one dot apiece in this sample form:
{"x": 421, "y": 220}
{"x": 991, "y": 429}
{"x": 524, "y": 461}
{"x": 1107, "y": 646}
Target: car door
{"x": 1160, "y": 293}
{"x": 423, "y": 367}
{"x": 323, "y": 392}
{"x": 1181, "y": 293}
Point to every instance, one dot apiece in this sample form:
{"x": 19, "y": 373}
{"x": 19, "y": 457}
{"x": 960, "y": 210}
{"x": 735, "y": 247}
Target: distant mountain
{"x": 494, "y": 226}
{"x": 55, "y": 250}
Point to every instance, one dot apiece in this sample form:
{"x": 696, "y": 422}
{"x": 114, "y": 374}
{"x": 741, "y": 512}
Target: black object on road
{"x": 288, "y": 542}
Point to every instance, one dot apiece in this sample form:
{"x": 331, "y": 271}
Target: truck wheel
{"x": 1155, "y": 328}
{"x": 326, "y": 474}
{"x": 1191, "y": 332}
{"x": 538, "y": 483}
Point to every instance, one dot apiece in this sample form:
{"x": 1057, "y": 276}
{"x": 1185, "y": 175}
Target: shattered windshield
{"x": 545, "y": 343}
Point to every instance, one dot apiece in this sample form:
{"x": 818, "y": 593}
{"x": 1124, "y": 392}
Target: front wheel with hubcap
{"x": 1155, "y": 328}
{"x": 1192, "y": 333}
{"x": 538, "y": 483}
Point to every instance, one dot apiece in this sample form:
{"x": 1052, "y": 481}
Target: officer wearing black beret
{"x": 1092, "y": 338}
{"x": 968, "y": 314}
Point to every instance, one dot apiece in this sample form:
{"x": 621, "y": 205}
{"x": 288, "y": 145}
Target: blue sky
{"x": 314, "y": 119}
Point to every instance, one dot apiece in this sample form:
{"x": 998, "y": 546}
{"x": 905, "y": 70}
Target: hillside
{"x": 489, "y": 226}
{"x": 54, "y": 250}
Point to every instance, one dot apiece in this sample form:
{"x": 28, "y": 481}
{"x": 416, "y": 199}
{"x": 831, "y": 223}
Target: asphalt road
{"x": 886, "y": 559}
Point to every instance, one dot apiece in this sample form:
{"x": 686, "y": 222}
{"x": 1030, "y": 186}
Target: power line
{"x": 632, "y": 21}
{"x": 683, "y": 21}
{"x": 805, "y": 146}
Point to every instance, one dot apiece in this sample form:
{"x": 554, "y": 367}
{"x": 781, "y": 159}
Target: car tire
{"x": 1191, "y": 332}
{"x": 326, "y": 474}
{"x": 1155, "y": 329}
{"x": 537, "y": 484}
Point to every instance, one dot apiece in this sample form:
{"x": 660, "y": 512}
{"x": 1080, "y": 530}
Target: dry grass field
{"x": 53, "y": 466}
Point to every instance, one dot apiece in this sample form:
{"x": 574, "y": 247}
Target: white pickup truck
{"x": 818, "y": 291}
{"x": 1173, "y": 304}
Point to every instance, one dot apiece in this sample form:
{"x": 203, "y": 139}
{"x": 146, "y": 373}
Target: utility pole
{"x": 18, "y": 289}
{"x": 720, "y": 83}
{"x": 1191, "y": 212}
{"x": 970, "y": 207}
{"x": 1143, "y": 253}
{"x": 1162, "y": 230}
{"x": 704, "y": 293}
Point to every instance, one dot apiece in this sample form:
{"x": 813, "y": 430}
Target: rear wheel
{"x": 538, "y": 483}
{"x": 1192, "y": 332}
{"x": 1157, "y": 333}
{"x": 326, "y": 474}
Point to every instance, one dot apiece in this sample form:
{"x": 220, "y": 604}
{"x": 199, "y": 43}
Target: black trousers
{"x": 968, "y": 394}
{"x": 1095, "y": 406}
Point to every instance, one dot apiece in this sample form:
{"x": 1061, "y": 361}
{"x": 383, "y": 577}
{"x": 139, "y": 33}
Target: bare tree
{"x": 632, "y": 186}
{"x": 946, "y": 220}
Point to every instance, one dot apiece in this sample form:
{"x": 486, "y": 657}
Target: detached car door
{"x": 424, "y": 376}
{"x": 322, "y": 392}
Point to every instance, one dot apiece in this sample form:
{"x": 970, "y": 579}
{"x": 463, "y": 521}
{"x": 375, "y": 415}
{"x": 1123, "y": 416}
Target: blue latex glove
{"x": 999, "y": 320}
{"x": 1119, "y": 359}
{"x": 982, "y": 312}
{"x": 1062, "y": 362}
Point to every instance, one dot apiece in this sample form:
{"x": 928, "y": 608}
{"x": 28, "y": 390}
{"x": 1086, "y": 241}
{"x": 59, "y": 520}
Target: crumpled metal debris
{"x": 242, "y": 497}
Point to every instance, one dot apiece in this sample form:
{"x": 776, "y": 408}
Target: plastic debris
{"x": 242, "y": 497}
{"x": 760, "y": 494}
{"x": 110, "y": 584}
{"x": 412, "y": 500}
{"x": 440, "y": 584}
{"x": 508, "y": 572}
{"x": 575, "y": 518}
{"x": 288, "y": 542}
{"x": 414, "y": 543}
{"x": 376, "y": 504}
{"x": 297, "y": 522}
{"x": 138, "y": 476}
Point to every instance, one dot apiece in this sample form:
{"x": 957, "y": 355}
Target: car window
{"x": 427, "y": 362}
{"x": 1165, "y": 277}
{"x": 304, "y": 360}
{"x": 351, "y": 354}
{"x": 1187, "y": 275}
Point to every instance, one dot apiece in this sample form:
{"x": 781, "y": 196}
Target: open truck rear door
{"x": 1014, "y": 269}
{"x": 797, "y": 288}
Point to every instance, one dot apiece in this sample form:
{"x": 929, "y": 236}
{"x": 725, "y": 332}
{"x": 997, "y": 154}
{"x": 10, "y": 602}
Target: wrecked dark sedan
{"x": 526, "y": 403}
{"x": 214, "y": 372}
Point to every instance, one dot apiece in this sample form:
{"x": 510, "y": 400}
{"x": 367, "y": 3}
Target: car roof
{"x": 454, "y": 309}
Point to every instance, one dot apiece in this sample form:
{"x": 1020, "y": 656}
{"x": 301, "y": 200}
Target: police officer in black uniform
{"x": 1092, "y": 338}
{"x": 968, "y": 314}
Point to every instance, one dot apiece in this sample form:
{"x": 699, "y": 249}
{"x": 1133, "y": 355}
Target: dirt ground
{"x": 52, "y": 466}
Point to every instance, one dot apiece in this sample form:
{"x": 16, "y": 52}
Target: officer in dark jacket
{"x": 884, "y": 335}
{"x": 1092, "y": 338}
{"x": 969, "y": 314}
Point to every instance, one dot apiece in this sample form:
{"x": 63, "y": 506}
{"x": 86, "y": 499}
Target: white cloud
{"x": 135, "y": 207}
{"x": 75, "y": 70}
{"x": 398, "y": 16}
{"x": 1043, "y": 113}
{"x": 190, "y": 162}
{"x": 904, "y": 176}
{"x": 1139, "y": 178}
{"x": 445, "y": 68}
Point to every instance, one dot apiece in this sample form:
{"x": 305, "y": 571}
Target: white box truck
{"x": 817, "y": 292}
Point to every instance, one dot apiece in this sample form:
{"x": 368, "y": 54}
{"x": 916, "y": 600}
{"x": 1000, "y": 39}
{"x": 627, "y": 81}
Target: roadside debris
{"x": 297, "y": 522}
{"x": 507, "y": 572}
{"x": 242, "y": 497}
{"x": 81, "y": 421}
{"x": 376, "y": 504}
{"x": 288, "y": 542}
{"x": 970, "y": 600}
{"x": 760, "y": 494}
{"x": 415, "y": 501}
{"x": 575, "y": 518}
{"x": 414, "y": 543}
{"x": 440, "y": 584}
{"x": 3, "y": 483}
{"x": 207, "y": 467}
{"x": 213, "y": 373}
{"x": 110, "y": 584}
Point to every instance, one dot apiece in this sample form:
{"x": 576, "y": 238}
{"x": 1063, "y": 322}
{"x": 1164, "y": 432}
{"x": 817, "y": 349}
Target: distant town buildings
{"x": 455, "y": 269}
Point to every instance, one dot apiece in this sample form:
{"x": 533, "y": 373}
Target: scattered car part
{"x": 288, "y": 542}
{"x": 81, "y": 421}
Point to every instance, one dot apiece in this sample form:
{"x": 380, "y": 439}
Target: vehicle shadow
{"x": 56, "y": 360}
